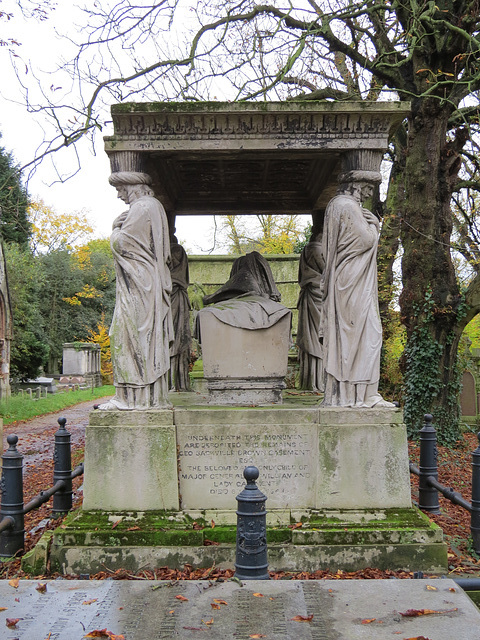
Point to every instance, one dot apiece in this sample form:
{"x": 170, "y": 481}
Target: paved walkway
{"x": 274, "y": 610}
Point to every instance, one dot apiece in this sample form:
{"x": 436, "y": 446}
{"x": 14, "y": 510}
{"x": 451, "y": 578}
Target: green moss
{"x": 279, "y": 536}
{"x": 35, "y": 561}
{"x": 262, "y": 107}
{"x": 225, "y": 535}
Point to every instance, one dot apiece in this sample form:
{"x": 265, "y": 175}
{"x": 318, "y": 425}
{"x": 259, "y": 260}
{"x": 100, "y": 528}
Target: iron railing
{"x": 429, "y": 486}
{"x": 12, "y": 508}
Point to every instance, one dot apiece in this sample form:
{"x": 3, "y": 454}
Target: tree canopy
{"x": 14, "y": 224}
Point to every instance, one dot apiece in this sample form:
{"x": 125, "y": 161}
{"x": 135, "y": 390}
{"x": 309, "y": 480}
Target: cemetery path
{"x": 36, "y": 436}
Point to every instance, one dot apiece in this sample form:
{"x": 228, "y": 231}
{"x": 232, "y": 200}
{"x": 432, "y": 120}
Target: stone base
{"x": 392, "y": 539}
{"x": 246, "y": 391}
{"x": 242, "y": 367}
{"x": 193, "y": 457}
{"x": 342, "y": 473}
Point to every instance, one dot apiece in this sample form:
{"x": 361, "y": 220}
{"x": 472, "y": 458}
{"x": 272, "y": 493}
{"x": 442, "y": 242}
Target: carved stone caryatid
{"x": 142, "y": 331}
{"x": 350, "y": 319}
{"x": 182, "y": 344}
{"x": 309, "y": 340}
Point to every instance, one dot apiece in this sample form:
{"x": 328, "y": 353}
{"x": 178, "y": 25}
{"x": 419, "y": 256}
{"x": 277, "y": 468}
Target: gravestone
{"x": 468, "y": 397}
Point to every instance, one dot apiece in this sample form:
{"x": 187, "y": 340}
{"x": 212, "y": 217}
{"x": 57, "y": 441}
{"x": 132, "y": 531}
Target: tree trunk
{"x": 431, "y": 304}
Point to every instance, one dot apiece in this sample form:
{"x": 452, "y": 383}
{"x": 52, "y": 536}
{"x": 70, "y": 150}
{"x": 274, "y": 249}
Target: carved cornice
{"x": 224, "y": 121}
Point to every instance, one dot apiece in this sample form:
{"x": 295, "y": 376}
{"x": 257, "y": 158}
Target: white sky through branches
{"x": 87, "y": 189}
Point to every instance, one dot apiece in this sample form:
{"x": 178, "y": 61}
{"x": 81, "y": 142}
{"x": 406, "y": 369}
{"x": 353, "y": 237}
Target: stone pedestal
{"x": 244, "y": 367}
{"x": 336, "y": 480}
{"x": 131, "y": 461}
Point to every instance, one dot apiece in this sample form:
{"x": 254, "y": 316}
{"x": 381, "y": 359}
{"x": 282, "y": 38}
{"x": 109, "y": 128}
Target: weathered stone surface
{"x": 145, "y": 610}
{"x": 308, "y": 457}
{"x": 212, "y": 459}
{"x": 297, "y": 540}
{"x": 130, "y": 467}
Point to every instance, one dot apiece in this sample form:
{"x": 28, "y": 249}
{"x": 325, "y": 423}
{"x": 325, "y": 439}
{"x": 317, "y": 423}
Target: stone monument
{"x": 81, "y": 364}
{"x": 245, "y": 335}
{"x": 160, "y": 484}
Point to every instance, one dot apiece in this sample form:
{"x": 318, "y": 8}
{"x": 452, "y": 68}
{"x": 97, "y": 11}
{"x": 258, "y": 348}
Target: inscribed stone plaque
{"x": 270, "y": 609}
{"x": 212, "y": 459}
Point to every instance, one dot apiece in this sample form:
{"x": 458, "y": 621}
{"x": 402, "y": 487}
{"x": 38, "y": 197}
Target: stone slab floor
{"x": 275, "y": 610}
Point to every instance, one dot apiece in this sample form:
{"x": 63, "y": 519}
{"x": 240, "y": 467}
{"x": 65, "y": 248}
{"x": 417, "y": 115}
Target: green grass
{"x": 18, "y": 408}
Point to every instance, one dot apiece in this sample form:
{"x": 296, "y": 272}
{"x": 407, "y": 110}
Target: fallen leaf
{"x": 172, "y": 611}
{"x": 3, "y": 608}
{"x": 89, "y": 601}
{"x": 207, "y": 621}
{"x": 182, "y": 598}
{"x": 368, "y": 620}
{"x": 215, "y": 606}
{"x": 257, "y": 635}
{"x": 297, "y": 525}
{"x": 104, "y": 633}
{"x": 431, "y": 588}
{"x": 14, "y": 583}
{"x": 117, "y": 522}
{"x": 213, "y": 524}
{"x": 209, "y": 543}
{"x": 12, "y": 622}
{"x": 258, "y": 595}
{"x": 41, "y": 587}
{"x": 133, "y": 528}
{"x": 220, "y": 601}
{"x": 303, "y": 618}
{"x": 452, "y": 589}
{"x": 17, "y": 599}
{"x": 417, "y": 638}
{"x": 413, "y": 613}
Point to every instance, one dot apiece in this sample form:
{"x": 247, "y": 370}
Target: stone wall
{"x": 210, "y": 272}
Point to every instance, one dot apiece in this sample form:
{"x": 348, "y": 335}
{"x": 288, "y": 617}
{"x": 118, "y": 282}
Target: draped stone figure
{"x": 309, "y": 340}
{"x": 182, "y": 344}
{"x": 350, "y": 317}
{"x": 249, "y": 299}
{"x": 141, "y": 332}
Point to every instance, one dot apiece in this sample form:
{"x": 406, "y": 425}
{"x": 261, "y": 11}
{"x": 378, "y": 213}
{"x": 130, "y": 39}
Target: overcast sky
{"x": 22, "y": 132}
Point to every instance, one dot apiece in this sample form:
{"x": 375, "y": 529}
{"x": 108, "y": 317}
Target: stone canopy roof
{"x": 249, "y": 157}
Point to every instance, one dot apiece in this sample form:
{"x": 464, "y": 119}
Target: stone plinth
{"x": 130, "y": 461}
{"x": 308, "y": 457}
{"x": 244, "y": 367}
{"x": 336, "y": 480}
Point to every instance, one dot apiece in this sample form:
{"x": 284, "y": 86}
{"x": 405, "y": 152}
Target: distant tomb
{"x": 81, "y": 364}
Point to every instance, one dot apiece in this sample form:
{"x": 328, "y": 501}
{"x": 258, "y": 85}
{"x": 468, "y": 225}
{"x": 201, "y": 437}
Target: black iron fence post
{"x": 475, "y": 513}
{"x": 62, "y": 470}
{"x": 251, "y": 553}
{"x": 427, "y": 495}
{"x": 12, "y": 539}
